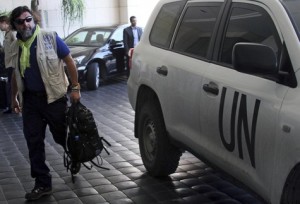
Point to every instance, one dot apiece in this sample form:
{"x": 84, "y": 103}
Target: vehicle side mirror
{"x": 112, "y": 42}
{"x": 115, "y": 44}
{"x": 254, "y": 58}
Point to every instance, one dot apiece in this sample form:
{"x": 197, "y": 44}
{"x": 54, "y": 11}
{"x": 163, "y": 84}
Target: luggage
{"x": 83, "y": 141}
{"x": 3, "y": 96}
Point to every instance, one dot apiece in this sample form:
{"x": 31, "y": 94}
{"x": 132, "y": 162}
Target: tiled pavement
{"x": 126, "y": 181}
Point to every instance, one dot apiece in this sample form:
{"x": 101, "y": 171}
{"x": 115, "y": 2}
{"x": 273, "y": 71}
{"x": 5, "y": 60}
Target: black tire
{"x": 92, "y": 79}
{"x": 159, "y": 156}
{"x": 291, "y": 191}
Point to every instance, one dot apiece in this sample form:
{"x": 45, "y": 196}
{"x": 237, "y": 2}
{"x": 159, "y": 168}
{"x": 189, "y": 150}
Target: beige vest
{"x": 51, "y": 67}
{"x": 10, "y": 36}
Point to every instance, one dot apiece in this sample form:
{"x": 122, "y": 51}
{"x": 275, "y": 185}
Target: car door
{"x": 117, "y": 48}
{"x": 187, "y": 64}
{"x": 239, "y": 121}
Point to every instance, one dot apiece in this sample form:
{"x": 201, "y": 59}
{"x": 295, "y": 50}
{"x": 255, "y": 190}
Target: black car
{"x": 98, "y": 53}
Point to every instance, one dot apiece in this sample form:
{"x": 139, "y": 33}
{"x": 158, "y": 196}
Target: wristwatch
{"x": 75, "y": 87}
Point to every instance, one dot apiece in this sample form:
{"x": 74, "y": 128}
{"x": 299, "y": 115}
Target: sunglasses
{"x": 21, "y": 21}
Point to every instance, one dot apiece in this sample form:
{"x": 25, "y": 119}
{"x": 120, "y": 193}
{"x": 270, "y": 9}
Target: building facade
{"x": 97, "y": 12}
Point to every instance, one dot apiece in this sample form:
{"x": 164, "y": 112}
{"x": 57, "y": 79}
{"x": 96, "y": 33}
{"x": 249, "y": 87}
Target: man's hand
{"x": 15, "y": 106}
{"x": 75, "y": 96}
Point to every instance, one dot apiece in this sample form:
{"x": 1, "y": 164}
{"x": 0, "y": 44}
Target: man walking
{"x": 40, "y": 84}
{"x": 9, "y": 37}
{"x": 131, "y": 37}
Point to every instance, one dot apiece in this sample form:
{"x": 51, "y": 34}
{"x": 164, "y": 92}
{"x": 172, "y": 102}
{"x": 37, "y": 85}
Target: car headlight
{"x": 79, "y": 59}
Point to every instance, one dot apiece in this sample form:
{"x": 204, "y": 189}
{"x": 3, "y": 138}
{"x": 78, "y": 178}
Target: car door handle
{"x": 211, "y": 88}
{"x": 163, "y": 70}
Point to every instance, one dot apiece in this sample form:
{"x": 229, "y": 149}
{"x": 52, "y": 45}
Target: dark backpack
{"x": 83, "y": 142}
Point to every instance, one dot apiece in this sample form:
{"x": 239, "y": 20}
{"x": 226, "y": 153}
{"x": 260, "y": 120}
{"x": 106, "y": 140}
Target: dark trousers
{"x": 127, "y": 65}
{"x": 37, "y": 114}
{"x": 8, "y": 87}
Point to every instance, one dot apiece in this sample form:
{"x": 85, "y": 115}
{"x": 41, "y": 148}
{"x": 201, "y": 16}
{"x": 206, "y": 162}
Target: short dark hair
{"x": 131, "y": 18}
{"x": 17, "y": 12}
{"x": 4, "y": 19}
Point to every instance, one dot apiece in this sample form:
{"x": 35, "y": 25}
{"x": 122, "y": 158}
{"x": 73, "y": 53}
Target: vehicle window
{"x": 249, "y": 25}
{"x": 78, "y": 38}
{"x": 196, "y": 29}
{"x": 118, "y": 35}
{"x": 293, "y": 9}
{"x": 164, "y": 25}
{"x": 99, "y": 37}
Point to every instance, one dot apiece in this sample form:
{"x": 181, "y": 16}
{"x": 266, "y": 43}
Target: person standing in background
{"x": 131, "y": 37}
{"x": 1, "y": 38}
{"x": 9, "y": 37}
{"x": 39, "y": 91}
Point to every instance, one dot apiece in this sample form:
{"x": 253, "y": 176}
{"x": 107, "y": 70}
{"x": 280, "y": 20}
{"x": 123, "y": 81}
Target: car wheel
{"x": 291, "y": 191}
{"x": 93, "y": 76}
{"x": 159, "y": 156}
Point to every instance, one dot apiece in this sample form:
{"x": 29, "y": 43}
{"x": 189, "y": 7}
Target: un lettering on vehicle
{"x": 241, "y": 125}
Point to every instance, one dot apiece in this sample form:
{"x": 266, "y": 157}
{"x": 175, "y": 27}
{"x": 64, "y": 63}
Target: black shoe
{"x": 7, "y": 111}
{"x": 75, "y": 167}
{"x": 38, "y": 192}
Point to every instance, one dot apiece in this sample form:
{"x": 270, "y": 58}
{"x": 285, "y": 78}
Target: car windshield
{"x": 87, "y": 37}
{"x": 293, "y": 7}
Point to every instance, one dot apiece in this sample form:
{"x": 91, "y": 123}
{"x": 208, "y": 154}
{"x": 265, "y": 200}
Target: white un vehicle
{"x": 220, "y": 78}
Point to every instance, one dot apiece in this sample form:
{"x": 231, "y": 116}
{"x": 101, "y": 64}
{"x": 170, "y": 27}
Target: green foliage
{"x": 72, "y": 11}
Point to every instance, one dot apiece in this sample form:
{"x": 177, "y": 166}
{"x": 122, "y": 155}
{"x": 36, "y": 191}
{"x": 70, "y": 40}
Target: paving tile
{"x": 122, "y": 201}
{"x": 9, "y": 181}
{"x": 216, "y": 196}
{"x": 2, "y": 197}
{"x": 5, "y": 168}
{"x": 92, "y": 199}
{"x": 185, "y": 192}
{"x": 144, "y": 199}
{"x": 155, "y": 188}
{"x": 192, "y": 181}
{"x": 79, "y": 184}
{"x": 99, "y": 182}
{"x": 118, "y": 179}
{"x": 121, "y": 165}
{"x": 180, "y": 175}
{"x": 196, "y": 199}
{"x": 228, "y": 201}
{"x": 85, "y": 192}
{"x": 136, "y": 163}
{"x": 16, "y": 201}
{"x": 61, "y": 195}
{"x": 106, "y": 188}
{"x": 129, "y": 170}
{"x": 70, "y": 201}
{"x": 125, "y": 185}
{"x": 203, "y": 188}
{"x": 60, "y": 187}
{"x": 116, "y": 195}
{"x": 92, "y": 175}
{"x": 111, "y": 173}
{"x": 174, "y": 201}
{"x": 132, "y": 192}
{"x": 135, "y": 175}
{"x": 164, "y": 195}
{"x": 174, "y": 184}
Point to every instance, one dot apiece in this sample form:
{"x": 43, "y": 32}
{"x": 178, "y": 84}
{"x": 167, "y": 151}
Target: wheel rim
{"x": 149, "y": 136}
{"x": 97, "y": 80}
